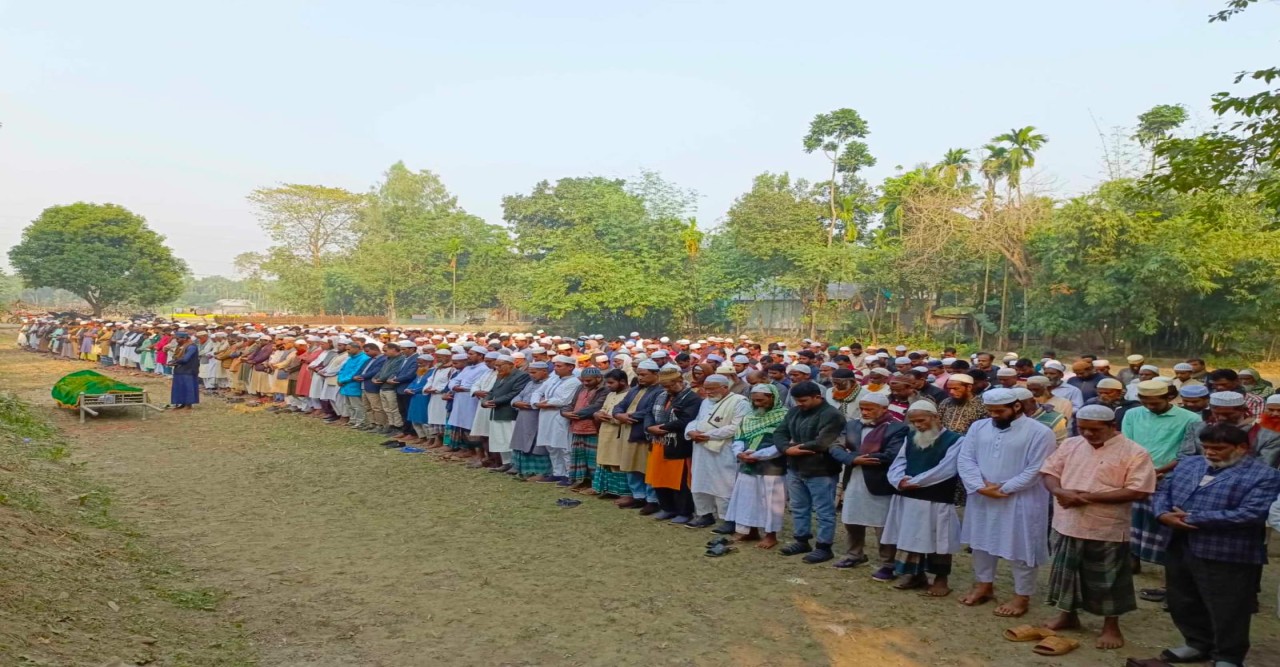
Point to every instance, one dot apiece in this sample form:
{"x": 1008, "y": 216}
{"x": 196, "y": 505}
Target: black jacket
{"x": 816, "y": 430}
{"x": 876, "y": 477}
{"x": 504, "y": 391}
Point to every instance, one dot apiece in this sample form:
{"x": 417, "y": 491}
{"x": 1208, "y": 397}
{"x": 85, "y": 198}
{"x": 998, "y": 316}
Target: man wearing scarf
{"x": 922, "y": 518}
{"x": 714, "y": 465}
{"x": 843, "y": 392}
{"x": 759, "y": 496}
{"x": 869, "y": 445}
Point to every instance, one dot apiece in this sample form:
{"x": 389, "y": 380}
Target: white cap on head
{"x": 874, "y": 399}
{"x": 459, "y": 356}
{"x": 1273, "y": 399}
{"x": 1135, "y": 358}
{"x": 1149, "y": 367}
{"x": 1055, "y": 365}
{"x": 923, "y": 406}
{"x": 799, "y": 368}
{"x": 1226, "y": 399}
{"x": 406, "y": 344}
{"x": 962, "y": 378}
{"x": 564, "y": 359}
{"x": 1007, "y": 372}
{"x": 998, "y": 397}
{"x": 1097, "y": 413}
{"x": 1101, "y": 363}
{"x": 505, "y": 358}
{"x": 647, "y": 365}
{"x": 1022, "y": 393}
{"x": 1183, "y": 368}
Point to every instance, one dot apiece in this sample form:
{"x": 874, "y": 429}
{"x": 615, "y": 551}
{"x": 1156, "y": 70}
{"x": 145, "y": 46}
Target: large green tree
{"x": 839, "y": 136}
{"x": 101, "y": 252}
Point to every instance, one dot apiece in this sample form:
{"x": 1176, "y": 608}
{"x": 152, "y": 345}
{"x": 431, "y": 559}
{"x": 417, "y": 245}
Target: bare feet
{"x": 1110, "y": 638}
{"x": 938, "y": 589}
{"x": 751, "y": 536}
{"x": 1014, "y": 608}
{"x": 980, "y": 594}
{"x": 1064, "y": 621}
{"x": 770, "y": 541}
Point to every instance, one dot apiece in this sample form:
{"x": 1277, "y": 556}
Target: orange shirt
{"x": 1119, "y": 463}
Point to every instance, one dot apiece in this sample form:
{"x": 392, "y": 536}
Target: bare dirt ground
{"x": 323, "y": 548}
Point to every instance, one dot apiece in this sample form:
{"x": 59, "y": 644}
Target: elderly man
{"x": 1007, "y": 378}
{"x": 1225, "y": 407}
{"x": 922, "y": 520}
{"x": 1095, "y": 478}
{"x": 960, "y": 409}
{"x": 759, "y": 495}
{"x": 529, "y": 459}
{"x": 715, "y": 467}
{"x": 1159, "y": 426}
{"x": 807, "y": 434}
{"x": 550, "y": 398}
{"x": 1007, "y": 512}
{"x": 1213, "y": 513}
{"x": 902, "y": 393}
{"x": 843, "y": 393}
{"x": 509, "y": 382}
{"x": 1039, "y": 386}
{"x": 1055, "y": 371}
{"x": 1264, "y": 437}
{"x": 1042, "y": 413}
{"x": 584, "y": 431}
{"x": 868, "y": 445}
{"x": 667, "y": 469}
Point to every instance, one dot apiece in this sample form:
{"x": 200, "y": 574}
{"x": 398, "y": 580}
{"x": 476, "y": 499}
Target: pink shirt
{"x": 1119, "y": 463}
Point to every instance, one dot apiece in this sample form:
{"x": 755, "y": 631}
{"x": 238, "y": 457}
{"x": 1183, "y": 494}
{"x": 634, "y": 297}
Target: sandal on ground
{"x": 1173, "y": 659}
{"x": 1055, "y": 645}
{"x": 1027, "y": 633}
{"x": 718, "y": 550}
{"x": 1152, "y": 594}
{"x": 718, "y": 540}
{"x": 568, "y": 502}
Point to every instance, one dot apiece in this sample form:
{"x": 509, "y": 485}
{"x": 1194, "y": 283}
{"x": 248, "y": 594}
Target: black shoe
{"x": 821, "y": 554}
{"x": 393, "y": 444}
{"x": 797, "y": 547}
{"x": 649, "y": 508}
{"x": 701, "y": 522}
{"x": 726, "y": 528}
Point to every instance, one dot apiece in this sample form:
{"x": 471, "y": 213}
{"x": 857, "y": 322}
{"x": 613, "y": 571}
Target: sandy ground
{"x": 334, "y": 551}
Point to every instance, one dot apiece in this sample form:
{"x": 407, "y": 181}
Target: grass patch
{"x": 201, "y": 599}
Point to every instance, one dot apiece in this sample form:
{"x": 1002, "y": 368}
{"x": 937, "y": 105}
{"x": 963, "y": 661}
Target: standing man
{"x": 806, "y": 436}
{"x": 960, "y": 409}
{"x": 509, "y": 382}
{"x": 715, "y": 467}
{"x": 869, "y": 445}
{"x": 667, "y": 469}
{"x": 553, "y": 429}
{"x": 1213, "y": 513}
{"x": 1086, "y": 379}
{"x": 584, "y": 431}
{"x": 1095, "y": 477}
{"x": 1007, "y": 513}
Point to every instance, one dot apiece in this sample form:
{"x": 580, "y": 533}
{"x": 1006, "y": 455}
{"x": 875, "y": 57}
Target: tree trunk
{"x": 391, "y": 306}
{"x": 831, "y": 231}
{"x": 453, "y": 293}
{"x": 1003, "y": 342}
{"x": 1026, "y": 316}
{"x": 982, "y": 308}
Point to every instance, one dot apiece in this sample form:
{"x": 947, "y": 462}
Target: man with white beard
{"x": 715, "y": 466}
{"x": 922, "y": 519}
{"x": 1007, "y": 515}
{"x": 870, "y": 444}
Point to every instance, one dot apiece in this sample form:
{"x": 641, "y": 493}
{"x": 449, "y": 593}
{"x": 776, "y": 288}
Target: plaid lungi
{"x": 456, "y": 438}
{"x": 612, "y": 482}
{"x": 527, "y": 465}
{"x": 1145, "y": 539}
{"x": 584, "y": 456}
{"x": 1091, "y": 575}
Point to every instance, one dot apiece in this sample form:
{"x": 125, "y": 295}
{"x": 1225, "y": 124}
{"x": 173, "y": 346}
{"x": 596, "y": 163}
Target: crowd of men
{"x": 1089, "y": 470}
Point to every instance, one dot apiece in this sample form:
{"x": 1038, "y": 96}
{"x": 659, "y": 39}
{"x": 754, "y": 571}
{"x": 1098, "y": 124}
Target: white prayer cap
{"x": 949, "y": 361}
{"x": 1226, "y": 399}
{"x": 799, "y": 368}
{"x": 648, "y": 366}
{"x": 537, "y": 350}
{"x": 1097, "y": 413}
{"x": 695, "y": 346}
{"x": 1055, "y": 365}
{"x": 660, "y": 353}
{"x": 1109, "y": 383}
{"x": 830, "y": 364}
{"x": 1247, "y": 371}
{"x": 882, "y": 355}
{"x": 920, "y": 369}
{"x": 373, "y": 343}
{"x": 564, "y": 347}
{"x": 563, "y": 359}
{"x": 670, "y": 367}
{"x": 635, "y": 334}
{"x": 640, "y": 356}
{"x": 539, "y": 365}
{"x": 406, "y": 344}
{"x": 1007, "y": 372}
{"x": 741, "y": 359}
{"x": 1038, "y": 379}
{"x": 1135, "y": 359}
{"x": 902, "y": 361}
{"x": 923, "y": 406}
{"x": 962, "y": 378}
{"x": 664, "y": 340}
{"x": 1011, "y": 356}
{"x": 901, "y": 348}
{"x": 519, "y": 355}
{"x": 602, "y": 357}
{"x": 716, "y": 378}
{"x": 458, "y": 356}
{"x": 1101, "y": 363}
{"x": 491, "y": 355}
{"x": 1149, "y": 367}
{"x": 998, "y": 397}
{"x": 1273, "y": 399}
{"x": 1022, "y": 393}
{"x": 880, "y": 371}
{"x": 1194, "y": 391}
{"x": 726, "y": 371}
{"x": 764, "y": 389}
{"x": 444, "y": 352}
{"x": 505, "y": 358}
{"x": 1183, "y": 368}
{"x": 1152, "y": 388}
{"x": 874, "y": 399}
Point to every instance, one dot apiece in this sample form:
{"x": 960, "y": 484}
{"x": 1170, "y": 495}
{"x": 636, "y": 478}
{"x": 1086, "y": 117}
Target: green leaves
{"x": 102, "y": 252}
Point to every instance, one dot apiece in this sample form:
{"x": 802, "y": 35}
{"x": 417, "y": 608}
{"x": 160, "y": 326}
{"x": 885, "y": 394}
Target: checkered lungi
{"x": 612, "y": 482}
{"x": 456, "y": 437}
{"x": 1091, "y": 575}
{"x": 1145, "y": 538}
{"x": 583, "y": 460}
{"x": 528, "y": 465}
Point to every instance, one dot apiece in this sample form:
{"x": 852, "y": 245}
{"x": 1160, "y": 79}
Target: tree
{"x": 1021, "y": 153}
{"x": 837, "y": 135}
{"x": 1156, "y": 124}
{"x": 101, "y": 252}
{"x": 956, "y": 167}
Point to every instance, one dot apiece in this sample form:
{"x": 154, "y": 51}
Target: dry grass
{"x": 334, "y": 551}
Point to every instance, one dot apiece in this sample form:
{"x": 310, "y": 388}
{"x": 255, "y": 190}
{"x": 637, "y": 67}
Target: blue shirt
{"x": 348, "y": 386}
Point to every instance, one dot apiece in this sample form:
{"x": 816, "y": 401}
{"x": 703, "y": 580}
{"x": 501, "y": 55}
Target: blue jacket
{"x": 371, "y": 369}
{"x": 347, "y": 385}
{"x": 1230, "y": 512}
{"x": 643, "y": 409}
{"x": 407, "y": 373}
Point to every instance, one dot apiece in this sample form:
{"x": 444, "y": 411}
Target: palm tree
{"x": 956, "y": 167}
{"x": 995, "y": 166}
{"x": 1022, "y": 147}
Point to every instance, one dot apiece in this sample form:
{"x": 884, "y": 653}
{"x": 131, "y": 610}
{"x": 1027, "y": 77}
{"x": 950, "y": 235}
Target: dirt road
{"x": 333, "y": 551}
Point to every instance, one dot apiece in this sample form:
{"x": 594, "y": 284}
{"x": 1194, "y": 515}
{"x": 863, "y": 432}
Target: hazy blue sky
{"x": 177, "y": 110}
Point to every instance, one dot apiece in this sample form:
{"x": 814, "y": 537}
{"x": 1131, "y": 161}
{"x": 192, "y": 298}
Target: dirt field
{"x": 302, "y": 544}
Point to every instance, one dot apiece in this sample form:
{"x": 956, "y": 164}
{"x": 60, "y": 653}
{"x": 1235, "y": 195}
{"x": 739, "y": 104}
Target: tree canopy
{"x": 103, "y": 253}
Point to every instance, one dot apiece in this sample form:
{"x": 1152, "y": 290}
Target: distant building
{"x": 781, "y": 310}
{"x": 232, "y": 307}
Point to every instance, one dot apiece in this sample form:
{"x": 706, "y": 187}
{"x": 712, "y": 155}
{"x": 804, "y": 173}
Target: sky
{"x": 179, "y": 110}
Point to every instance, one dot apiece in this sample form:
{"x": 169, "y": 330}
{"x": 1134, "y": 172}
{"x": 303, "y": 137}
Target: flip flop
{"x": 1055, "y": 645}
{"x": 1152, "y": 594}
{"x": 411, "y": 450}
{"x": 718, "y": 550}
{"x": 568, "y": 502}
{"x": 1027, "y": 633}
{"x": 718, "y": 540}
